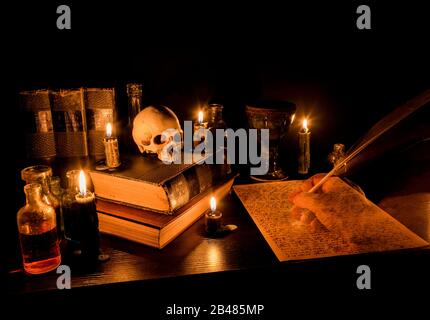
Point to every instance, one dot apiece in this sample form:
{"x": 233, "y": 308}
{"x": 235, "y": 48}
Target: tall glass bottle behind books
{"x": 134, "y": 94}
{"x": 215, "y": 118}
{"x": 42, "y": 174}
{"x": 38, "y": 236}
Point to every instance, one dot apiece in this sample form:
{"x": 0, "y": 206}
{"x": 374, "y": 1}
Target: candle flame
{"x": 305, "y": 125}
{"x": 82, "y": 183}
{"x": 108, "y": 130}
{"x": 200, "y": 117}
{"x": 213, "y": 204}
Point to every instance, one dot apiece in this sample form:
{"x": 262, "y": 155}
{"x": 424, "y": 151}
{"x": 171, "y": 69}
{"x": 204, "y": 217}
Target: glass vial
{"x": 42, "y": 175}
{"x": 38, "y": 236}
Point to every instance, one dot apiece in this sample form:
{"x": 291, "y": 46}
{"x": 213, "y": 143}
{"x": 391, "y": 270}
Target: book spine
{"x": 69, "y": 121}
{"x": 100, "y": 109}
{"x": 199, "y": 178}
{"x": 37, "y": 115}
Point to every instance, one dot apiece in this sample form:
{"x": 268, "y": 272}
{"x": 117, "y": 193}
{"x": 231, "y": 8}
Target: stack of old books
{"x": 150, "y": 202}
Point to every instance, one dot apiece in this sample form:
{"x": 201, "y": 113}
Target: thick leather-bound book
{"x": 39, "y": 135}
{"x": 145, "y": 181}
{"x": 68, "y": 113}
{"x": 100, "y": 109}
{"x": 151, "y": 228}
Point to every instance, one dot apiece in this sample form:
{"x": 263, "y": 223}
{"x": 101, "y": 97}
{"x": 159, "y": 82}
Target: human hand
{"x": 339, "y": 207}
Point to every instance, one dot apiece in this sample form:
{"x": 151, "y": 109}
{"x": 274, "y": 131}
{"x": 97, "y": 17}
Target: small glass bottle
{"x": 42, "y": 175}
{"x": 55, "y": 186}
{"x": 38, "y": 236}
{"x": 216, "y": 121}
{"x": 57, "y": 191}
{"x": 214, "y": 114}
{"x": 338, "y": 154}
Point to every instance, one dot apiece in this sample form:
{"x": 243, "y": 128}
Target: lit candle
{"x": 111, "y": 148}
{"x": 213, "y": 219}
{"x": 88, "y": 223}
{"x": 304, "y": 148}
{"x": 200, "y": 129}
{"x": 200, "y": 118}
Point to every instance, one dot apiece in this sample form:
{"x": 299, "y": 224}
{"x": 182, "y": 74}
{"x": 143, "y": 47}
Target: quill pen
{"x": 378, "y": 130}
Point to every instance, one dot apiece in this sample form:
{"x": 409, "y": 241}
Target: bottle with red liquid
{"x": 38, "y": 235}
{"x": 43, "y": 174}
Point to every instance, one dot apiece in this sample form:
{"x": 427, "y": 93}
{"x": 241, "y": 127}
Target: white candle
{"x": 199, "y": 129}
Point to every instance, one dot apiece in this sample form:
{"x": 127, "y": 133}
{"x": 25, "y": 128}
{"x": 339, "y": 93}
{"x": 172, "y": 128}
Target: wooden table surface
{"x": 191, "y": 253}
{"x": 245, "y": 257}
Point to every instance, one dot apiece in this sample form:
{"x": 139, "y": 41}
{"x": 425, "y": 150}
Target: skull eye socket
{"x": 157, "y": 139}
{"x": 145, "y": 136}
{"x": 145, "y": 142}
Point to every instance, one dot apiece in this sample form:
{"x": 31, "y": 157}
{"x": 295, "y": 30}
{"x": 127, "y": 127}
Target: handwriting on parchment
{"x": 294, "y": 239}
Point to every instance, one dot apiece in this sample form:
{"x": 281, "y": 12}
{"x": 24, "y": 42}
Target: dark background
{"x": 189, "y": 53}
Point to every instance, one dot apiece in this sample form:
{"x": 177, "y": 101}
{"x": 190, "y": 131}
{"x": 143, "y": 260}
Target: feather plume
{"x": 378, "y": 130}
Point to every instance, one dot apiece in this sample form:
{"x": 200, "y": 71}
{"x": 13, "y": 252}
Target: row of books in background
{"x": 66, "y": 123}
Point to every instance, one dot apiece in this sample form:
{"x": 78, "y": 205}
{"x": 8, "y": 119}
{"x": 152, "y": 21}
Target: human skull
{"x": 153, "y": 128}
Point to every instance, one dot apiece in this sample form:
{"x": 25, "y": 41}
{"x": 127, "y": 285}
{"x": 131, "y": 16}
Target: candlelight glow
{"x": 213, "y": 204}
{"x": 305, "y": 125}
{"x": 82, "y": 183}
{"x": 108, "y": 130}
{"x": 200, "y": 117}
{"x": 214, "y": 256}
{"x": 293, "y": 117}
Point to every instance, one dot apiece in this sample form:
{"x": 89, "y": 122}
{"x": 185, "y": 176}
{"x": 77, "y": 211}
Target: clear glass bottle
{"x": 42, "y": 174}
{"x": 38, "y": 235}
